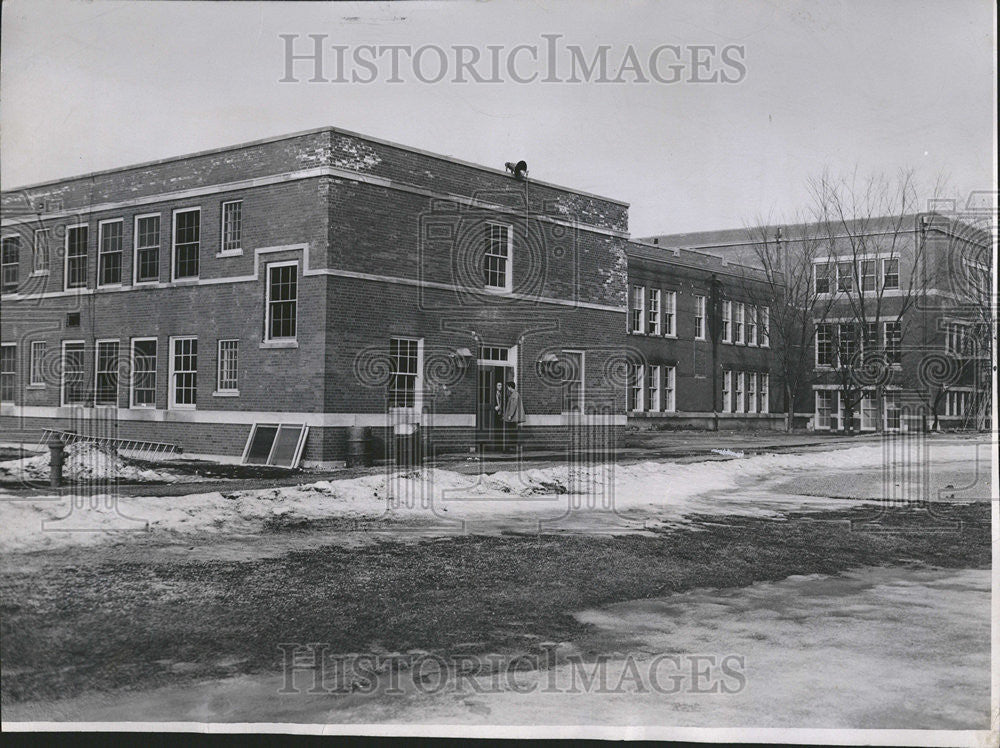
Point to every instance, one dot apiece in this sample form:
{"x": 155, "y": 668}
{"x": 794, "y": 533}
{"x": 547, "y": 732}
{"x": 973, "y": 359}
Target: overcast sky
{"x": 875, "y": 85}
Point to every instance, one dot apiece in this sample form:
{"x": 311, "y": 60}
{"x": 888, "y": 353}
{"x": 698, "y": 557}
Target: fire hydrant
{"x": 57, "y": 455}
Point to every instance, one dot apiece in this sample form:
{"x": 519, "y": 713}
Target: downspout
{"x": 713, "y": 325}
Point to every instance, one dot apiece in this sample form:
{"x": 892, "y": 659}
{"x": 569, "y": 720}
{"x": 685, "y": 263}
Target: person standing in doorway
{"x": 498, "y": 410}
{"x": 513, "y": 417}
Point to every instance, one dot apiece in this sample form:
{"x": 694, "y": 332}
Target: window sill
{"x": 142, "y": 407}
{"x": 279, "y": 344}
{"x": 38, "y": 273}
{"x": 671, "y": 337}
{"x": 497, "y": 290}
{"x": 109, "y": 285}
{"x": 183, "y": 407}
{"x": 192, "y": 280}
{"x": 230, "y": 253}
{"x": 35, "y": 387}
{"x": 226, "y": 393}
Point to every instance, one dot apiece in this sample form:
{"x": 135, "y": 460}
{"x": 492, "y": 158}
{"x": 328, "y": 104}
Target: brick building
{"x": 698, "y": 339}
{"x": 901, "y": 334}
{"x": 324, "y": 279}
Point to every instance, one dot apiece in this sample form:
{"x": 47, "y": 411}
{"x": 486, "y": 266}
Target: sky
{"x": 871, "y": 86}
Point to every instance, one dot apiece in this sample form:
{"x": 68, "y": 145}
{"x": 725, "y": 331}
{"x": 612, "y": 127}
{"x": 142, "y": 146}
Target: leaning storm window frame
{"x": 146, "y": 249}
{"x": 498, "y": 257}
{"x": 110, "y": 235}
{"x": 281, "y": 302}
{"x": 186, "y": 244}
{"x": 231, "y": 226}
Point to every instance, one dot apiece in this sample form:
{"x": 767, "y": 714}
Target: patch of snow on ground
{"x": 83, "y": 462}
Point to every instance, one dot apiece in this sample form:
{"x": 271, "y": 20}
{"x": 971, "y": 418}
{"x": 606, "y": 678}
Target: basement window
{"x": 278, "y": 445}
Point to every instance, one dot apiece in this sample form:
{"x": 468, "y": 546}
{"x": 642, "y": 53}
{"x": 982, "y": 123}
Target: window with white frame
{"x": 8, "y": 372}
{"x": 738, "y": 323}
{"x": 187, "y": 243}
{"x": 751, "y": 325}
{"x": 143, "y": 373}
{"x": 109, "y": 255}
{"x": 890, "y": 273}
{"x": 232, "y": 227}
{"x": 636, "y": 379}
{"x": 653, "y": 312}
{"x": 405, "y": 383}
{"x": 892, "y": 411}
{"x": 228, "y": 366}
{"x": 955, "y": 338}
{"x": 147, "y": 248}
{"x": 869, "y": 411}
{"x": 727, "y": 322}
{"x": 727, "y": 391}
{"x": 669, "y": 388}
{"x": 184, "y": 373}
{"x": 751, "y": 406}
{"x": 869, "y": 337}
{"x": 76, "y": 256}
{"x": 653, "y": 378}
{"x": 497, "y": 257}
{"x": 282, "y": 301}
{"x": 847, "y": 343}
{"x": 10, "y": 257}
{"x": 638, "y": 305}
{"x": 825, "y": 350}
{"x": 740, "y": 385}
{"x": 868, "y": 275}
{"x": 765, "y": 327}
{"x": 36, "y": 364}
{"x": 765, "y": 384}
{"x": 670, "y": 314}
{"x": 41, "y": 251}
{"x": 892, "y": 333}
{"x": 106, "y": 365}
{"x": 824, "y": 409}
{"x": 821, "y": 277}
{"x": 700, "y": 303}
{"x": 573, "y": 382}
{"x": 74, "y": 385}
{"x": 845, "y": 276}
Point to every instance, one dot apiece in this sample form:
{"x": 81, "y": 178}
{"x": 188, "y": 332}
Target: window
{"x": 738, "y": 323}
{"x": 40, "y": 255}
{"x": 10, "y": 251}
{"x": 751, "y": 392}
{"x": 653, "y": 312}
{"x": 765, "y": 326}
{"x": 955, "y": 338}
{"x": 825, "y": 355}
{"x": 74, "y": 390}
{"x": 187, "y": 242}
{"x": 847, "y": 343}
{"x": 36, "y": 368}
{"x": 821, "y": 278}
{"x": 232, "y": 227}
{"x": 8, "y": 372}
{"x": 824, "y": 409}
{"x": 893, "y": 413}
{"x": 740, "y": 381}
{"x": 727, "y": 389}
{"x": 869, "y": 412}
{"x": 699, "y": 317}
{"x": 109, "y": 256}
{"x": 669, "y": 389}
{"x": 228, "y": 379}
{"x": 405, "y": 384}
{"x": 497, "y": 257}
{"x": 106, "y": 373}
{"x": 727, "y": 322}
{"x": 653, "y": 374}
{"x": 638, "y": 305}
{"x": 890, "y": 273}
{"x": 670, "y": 314}
{"x": 282, "y": 300}
{"x": 868, "y": 275}
{"x": 765, "y": 383}
{"x": 636, "y": 381}
{"x": 147, "y": 248}
{"x": 144, "y": 373}
{"x": 76, "y": 256}
{"x": 184, "y": 373}
{"x": 893, "y": 335}
{"x": 573, "y": 382}
{"x": 845, "y": 276}
{"x": 751, "y": 325}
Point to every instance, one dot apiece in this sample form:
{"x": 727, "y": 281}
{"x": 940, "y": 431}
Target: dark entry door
{"x": 487, "y": 421}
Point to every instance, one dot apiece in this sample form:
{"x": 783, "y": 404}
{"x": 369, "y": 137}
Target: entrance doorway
{"x": 497, "y": 366}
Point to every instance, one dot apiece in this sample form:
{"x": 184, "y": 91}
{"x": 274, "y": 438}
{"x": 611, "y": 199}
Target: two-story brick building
{"x": 322, "y": 279}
